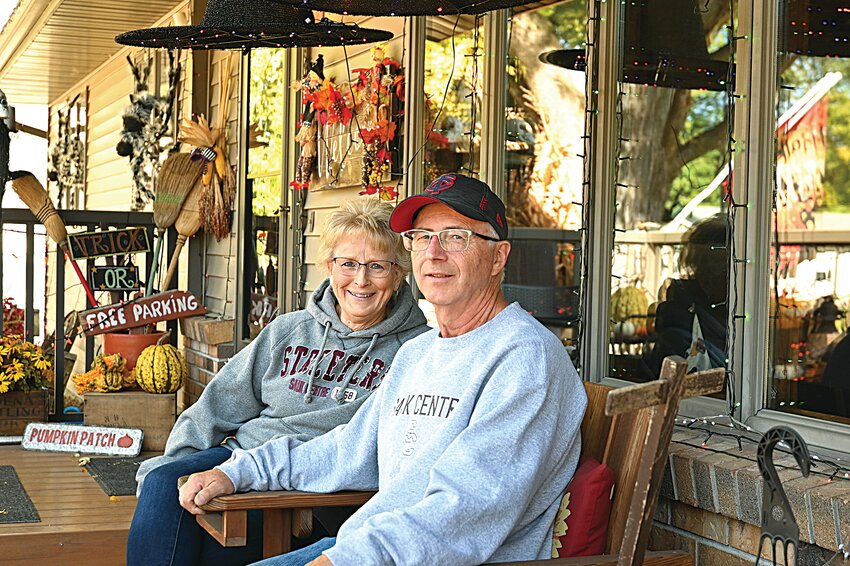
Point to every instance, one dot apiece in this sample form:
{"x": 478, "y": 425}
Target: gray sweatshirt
{"x": 471, "y": 441}
{"x": 279, "y": 385}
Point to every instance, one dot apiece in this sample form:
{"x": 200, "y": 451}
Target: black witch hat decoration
{"x": 249, "y": 24}
{"x": 406, "y": 7}
{"x": 664, "y": 45}
{"x": 651, "y": 69}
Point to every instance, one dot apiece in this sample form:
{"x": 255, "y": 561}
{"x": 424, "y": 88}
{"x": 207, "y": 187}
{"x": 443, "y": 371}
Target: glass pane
{"x": 810, "y": 272}
{"x": 453, "y": 89}
{"x": 544, "y": 165}
{"x": 670, "y": 265}
{"x": 263, "y": 187}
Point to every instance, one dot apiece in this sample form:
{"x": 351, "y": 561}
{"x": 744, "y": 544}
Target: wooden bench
{"x": 628, "y": 429}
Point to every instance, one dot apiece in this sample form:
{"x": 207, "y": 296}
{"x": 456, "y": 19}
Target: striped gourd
{"x": 161, "y": 369}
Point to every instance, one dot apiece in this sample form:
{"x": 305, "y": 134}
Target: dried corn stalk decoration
{"x": 210, "y": 143}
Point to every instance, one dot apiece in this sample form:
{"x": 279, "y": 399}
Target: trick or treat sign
{"x": 141, "y": 312}
{"x": 55, "y": 437}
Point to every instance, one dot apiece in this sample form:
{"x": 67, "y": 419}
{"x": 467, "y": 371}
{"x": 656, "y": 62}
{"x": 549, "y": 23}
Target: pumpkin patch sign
{"x": 55, "y": 437}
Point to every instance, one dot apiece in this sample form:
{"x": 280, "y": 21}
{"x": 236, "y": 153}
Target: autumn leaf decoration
{"x": 365, "y": 105}
{"x": 374, "y": 90}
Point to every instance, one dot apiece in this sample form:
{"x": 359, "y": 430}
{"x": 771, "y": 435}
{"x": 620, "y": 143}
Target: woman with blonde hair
{"x": 305, "y": 373}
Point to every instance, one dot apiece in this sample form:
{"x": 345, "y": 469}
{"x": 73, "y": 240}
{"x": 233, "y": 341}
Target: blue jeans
{"x": 299, "y": 557}
{"x": 163, "y": 533}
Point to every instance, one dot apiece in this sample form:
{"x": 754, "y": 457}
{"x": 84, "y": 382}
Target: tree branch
{"x": 706, "y": 141}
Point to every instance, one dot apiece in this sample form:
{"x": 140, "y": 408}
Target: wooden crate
{"x": 17, "y": 409}
{"x": 153, "y": 413}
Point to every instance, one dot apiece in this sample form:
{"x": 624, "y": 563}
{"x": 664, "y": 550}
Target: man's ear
{"x": 500, "y": 256}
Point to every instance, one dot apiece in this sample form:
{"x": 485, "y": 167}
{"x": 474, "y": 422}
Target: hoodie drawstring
{"x": 339, "y": 394}
{"x": 314, "y": 371}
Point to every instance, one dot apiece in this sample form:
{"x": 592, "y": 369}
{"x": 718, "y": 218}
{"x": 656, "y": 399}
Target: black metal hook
{"x": 777, "y": 518}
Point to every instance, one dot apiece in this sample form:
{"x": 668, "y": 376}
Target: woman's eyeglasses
{"x": 374, "y": 269}
{"x": 451, "y": 240}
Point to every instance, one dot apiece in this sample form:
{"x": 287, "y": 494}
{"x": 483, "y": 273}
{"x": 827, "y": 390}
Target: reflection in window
{"x": 670, "y": 265}
{"x": 453, "y": 89}
{"x": 263, "y": 187}
{"x": 544, "y": 168}
{"x": 810, "y": 271}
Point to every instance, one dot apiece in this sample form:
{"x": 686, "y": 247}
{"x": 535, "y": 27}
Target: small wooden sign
{"x": 109, "y": 242}
{"x": 115, "y": 278}
{"x": 55, "y": 437}
{"x": 140, "y": 312}
{"x": 19, "y": 408}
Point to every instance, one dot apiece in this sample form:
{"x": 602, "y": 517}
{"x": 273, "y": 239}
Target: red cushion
{"x": 581, "y": 526}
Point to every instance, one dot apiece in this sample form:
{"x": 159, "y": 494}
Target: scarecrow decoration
{"x": 308, "y": 129}
{"x": 146, "y": 137}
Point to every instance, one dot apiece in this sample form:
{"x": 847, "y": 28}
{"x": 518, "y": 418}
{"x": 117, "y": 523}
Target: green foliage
{"x": 707, "y": 110}
{"x": 446, "y": 60}
{"x": 266, "y": 111}
{"x": 569, "y": 19}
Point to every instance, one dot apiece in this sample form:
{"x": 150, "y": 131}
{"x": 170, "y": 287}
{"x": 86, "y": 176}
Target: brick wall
{"x": 207, "y": 345}
{"x": 710, "y": 504}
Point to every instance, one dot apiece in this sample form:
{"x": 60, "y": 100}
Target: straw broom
{"x": 179, "y": 173}
{"x": 30, "y": 191}
{"x": 187, "y": 223}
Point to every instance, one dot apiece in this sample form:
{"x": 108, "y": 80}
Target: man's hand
{"x": 322, "y": 560}
{"x": 202, "y": 487}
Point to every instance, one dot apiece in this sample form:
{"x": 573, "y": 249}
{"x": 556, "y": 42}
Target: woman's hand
{"x": 200, "y": 488}
{"x": 322, "y": 560}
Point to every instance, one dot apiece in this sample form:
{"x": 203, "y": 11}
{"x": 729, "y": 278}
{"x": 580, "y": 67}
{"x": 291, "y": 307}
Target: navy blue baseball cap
{"x": 465, "y": 195}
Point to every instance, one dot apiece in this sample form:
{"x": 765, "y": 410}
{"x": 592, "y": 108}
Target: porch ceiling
{"x": 49, "y": 45}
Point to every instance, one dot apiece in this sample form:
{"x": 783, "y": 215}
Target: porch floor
{"x": 79, "y": 523}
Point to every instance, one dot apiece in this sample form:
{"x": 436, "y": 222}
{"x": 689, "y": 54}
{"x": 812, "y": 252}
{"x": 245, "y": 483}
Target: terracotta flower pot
{"x": 129, "y": 345}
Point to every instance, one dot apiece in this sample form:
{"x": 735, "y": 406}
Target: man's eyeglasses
{"x": 374, "y": 269}
{"x": 451, "y": 240}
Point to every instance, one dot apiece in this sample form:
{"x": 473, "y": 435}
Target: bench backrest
{"x": 629, "y": 430}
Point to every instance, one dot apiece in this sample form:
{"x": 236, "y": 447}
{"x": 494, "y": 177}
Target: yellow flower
{"x": 22, "y": 365}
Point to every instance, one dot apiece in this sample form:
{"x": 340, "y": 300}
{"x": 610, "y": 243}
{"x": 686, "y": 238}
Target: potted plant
{"x": 24, "y": 375}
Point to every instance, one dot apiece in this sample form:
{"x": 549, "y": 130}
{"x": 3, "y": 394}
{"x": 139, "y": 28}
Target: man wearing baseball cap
{"x": 474, "y": 433}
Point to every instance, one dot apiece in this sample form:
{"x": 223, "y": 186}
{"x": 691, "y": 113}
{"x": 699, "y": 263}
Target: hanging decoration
{"x": 331, "y": 112}
{"x": 210, "y": 147}
{"x": 67, "y": 153}
{"x": 308, "y": 128}
{"x": 375, "y": 92}
{"x": 147, "y": 137}
{"x": 240, "y": 24}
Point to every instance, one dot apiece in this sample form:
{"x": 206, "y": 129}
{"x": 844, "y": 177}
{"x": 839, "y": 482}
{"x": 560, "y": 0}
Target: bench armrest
{"x": 286, "y": 500}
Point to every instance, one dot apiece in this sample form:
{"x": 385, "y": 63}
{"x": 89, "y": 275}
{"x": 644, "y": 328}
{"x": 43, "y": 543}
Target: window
{"x": 544, "y": 164}
{"x": 263, "y": 185}
{"x": 810, "y": 259}
{"x": 670, "y": 264}
{"x": 453, "y": 88}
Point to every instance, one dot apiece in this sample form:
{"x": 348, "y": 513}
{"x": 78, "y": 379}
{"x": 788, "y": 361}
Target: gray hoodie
{"x": 279, "y": 385}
